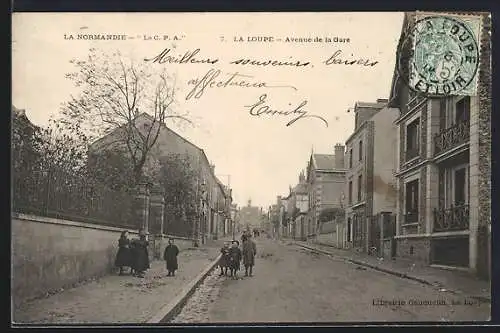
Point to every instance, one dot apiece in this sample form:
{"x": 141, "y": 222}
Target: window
{"x": 349, "y": 236}
{"x": 350, "y": 192}
{"x": 456, "y": 186}
{"x": 412, "y": 139}
{"x": 360, "y": 187}
{"x": 412, "y": 201}
{"x": 460, "y": 187}
{"x": 361, "y": 150}
{"x": 462, "y": 110}
{"x": 350, "y": 158}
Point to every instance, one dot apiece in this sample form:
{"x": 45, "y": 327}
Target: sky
{"x": 258, "y": 155}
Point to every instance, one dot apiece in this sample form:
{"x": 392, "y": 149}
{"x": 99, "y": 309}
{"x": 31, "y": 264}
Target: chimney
{"x": 302, "y": 177}
{"x": 339, "y": 156}
{"x": 212, "y": 167}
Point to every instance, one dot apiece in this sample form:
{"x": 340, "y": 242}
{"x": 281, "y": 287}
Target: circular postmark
{"x": 444, "y": 56}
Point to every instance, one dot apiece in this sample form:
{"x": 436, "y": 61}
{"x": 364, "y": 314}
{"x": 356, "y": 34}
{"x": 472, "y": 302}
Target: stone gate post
{"x": 156, "y": 218}
{"x": 141, "y": 206}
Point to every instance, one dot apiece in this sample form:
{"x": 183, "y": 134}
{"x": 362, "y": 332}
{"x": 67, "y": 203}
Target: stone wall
{"x": 49, "y": 254}
{"x": 484, "y": 151}
{"x": 417, "y": 249}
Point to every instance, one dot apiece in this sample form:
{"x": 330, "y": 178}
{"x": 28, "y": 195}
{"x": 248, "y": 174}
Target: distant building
{"x": 22, "y": 137}
{"x": 370, "y": 181}
{"x": 325, "y": 184}
{"x": 298, "y": 205}
{"x": 251, "y": 216}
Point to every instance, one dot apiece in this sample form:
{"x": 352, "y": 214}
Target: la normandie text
{"x": 94, "y": 37}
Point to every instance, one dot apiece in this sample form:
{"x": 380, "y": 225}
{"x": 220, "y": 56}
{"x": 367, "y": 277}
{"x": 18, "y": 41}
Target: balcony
{"x": 454, "y": 218}
{"x": 451, "y": 137}
{"x": 411, "y": 154}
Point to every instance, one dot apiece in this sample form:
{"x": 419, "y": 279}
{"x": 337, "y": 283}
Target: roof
{"x": 22, "y": 114}
{"x": 149, "y": 117}
{"x": 224, "y": 188}
{"x": 369, "y": 105}
{"x": 324, "y": 161}
{"x": 300, "y": 188}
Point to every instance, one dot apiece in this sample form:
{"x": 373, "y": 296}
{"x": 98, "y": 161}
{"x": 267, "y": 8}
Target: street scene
{"x": 174, "y": 177}
{"x": 293, "y": 285}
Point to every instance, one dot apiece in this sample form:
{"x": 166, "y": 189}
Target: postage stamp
{"x": 446, "y": 54}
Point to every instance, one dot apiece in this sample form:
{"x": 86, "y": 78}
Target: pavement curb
{"x": 389, "y": 271}
{"x": 175, "y": 305}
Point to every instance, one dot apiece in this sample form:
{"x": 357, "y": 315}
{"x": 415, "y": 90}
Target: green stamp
{"x": 446, "y": 54}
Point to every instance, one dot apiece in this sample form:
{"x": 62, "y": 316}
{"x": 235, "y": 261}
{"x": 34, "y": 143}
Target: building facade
{"x": 211, "y": 193}
{"x": 325, "y": 185}
{"x": 444, "y": 173}
{"x": 370, "y": 176}
{"x": 300, "y": 202}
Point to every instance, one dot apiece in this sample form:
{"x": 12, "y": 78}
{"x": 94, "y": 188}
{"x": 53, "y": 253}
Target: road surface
{"x": 293, "y": 285}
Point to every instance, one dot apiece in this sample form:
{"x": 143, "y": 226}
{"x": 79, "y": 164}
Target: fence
{"x": 64, "y": 195}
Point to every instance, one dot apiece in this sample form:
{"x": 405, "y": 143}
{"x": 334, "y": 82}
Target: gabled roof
{"x": 323, "y": 161}
{"x": 164, "y": 126}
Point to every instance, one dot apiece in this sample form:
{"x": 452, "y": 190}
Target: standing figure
{"x": 170, "y": 256}
{"x": 234, "y": 258}
{"x": 140, "y": 254}
{"x": 124, "y": 256}
{"x": 249, "y": 252}
{"x": 224, "y": 259}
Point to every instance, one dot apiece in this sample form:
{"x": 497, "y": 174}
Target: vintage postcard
{"x": 186, "y": 168}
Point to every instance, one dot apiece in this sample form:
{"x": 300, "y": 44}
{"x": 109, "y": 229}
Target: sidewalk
{"x": 119, "y": 299}
{"x": 457, "y": 282}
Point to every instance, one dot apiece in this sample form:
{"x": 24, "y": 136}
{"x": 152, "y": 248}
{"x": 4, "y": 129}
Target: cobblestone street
{"x": 293, "y": 285}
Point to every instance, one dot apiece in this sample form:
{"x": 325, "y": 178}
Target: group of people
{"x": 134, "y": 254}
{"x": 232, "y": 256}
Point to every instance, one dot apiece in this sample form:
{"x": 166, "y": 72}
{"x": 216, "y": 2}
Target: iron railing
{"x": 411, "y": 153}
{"x": 455, "y": 218}
{"x": 451, "y": 137}
{"x": 64, "y": 195}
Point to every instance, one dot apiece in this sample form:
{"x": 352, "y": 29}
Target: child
{"x": 224, "y": 259}
{"x": 234, "y": 258}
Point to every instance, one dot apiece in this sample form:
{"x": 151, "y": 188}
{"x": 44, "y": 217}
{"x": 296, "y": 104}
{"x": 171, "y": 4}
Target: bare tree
{"x": 114, "y": 91}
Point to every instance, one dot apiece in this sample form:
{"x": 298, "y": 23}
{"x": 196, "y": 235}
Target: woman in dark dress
{"x": 249, "y": 252}
{"x": 140, "y": 254}
{"x": 170, "y": 256}
{"x": 123, "y": 257}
